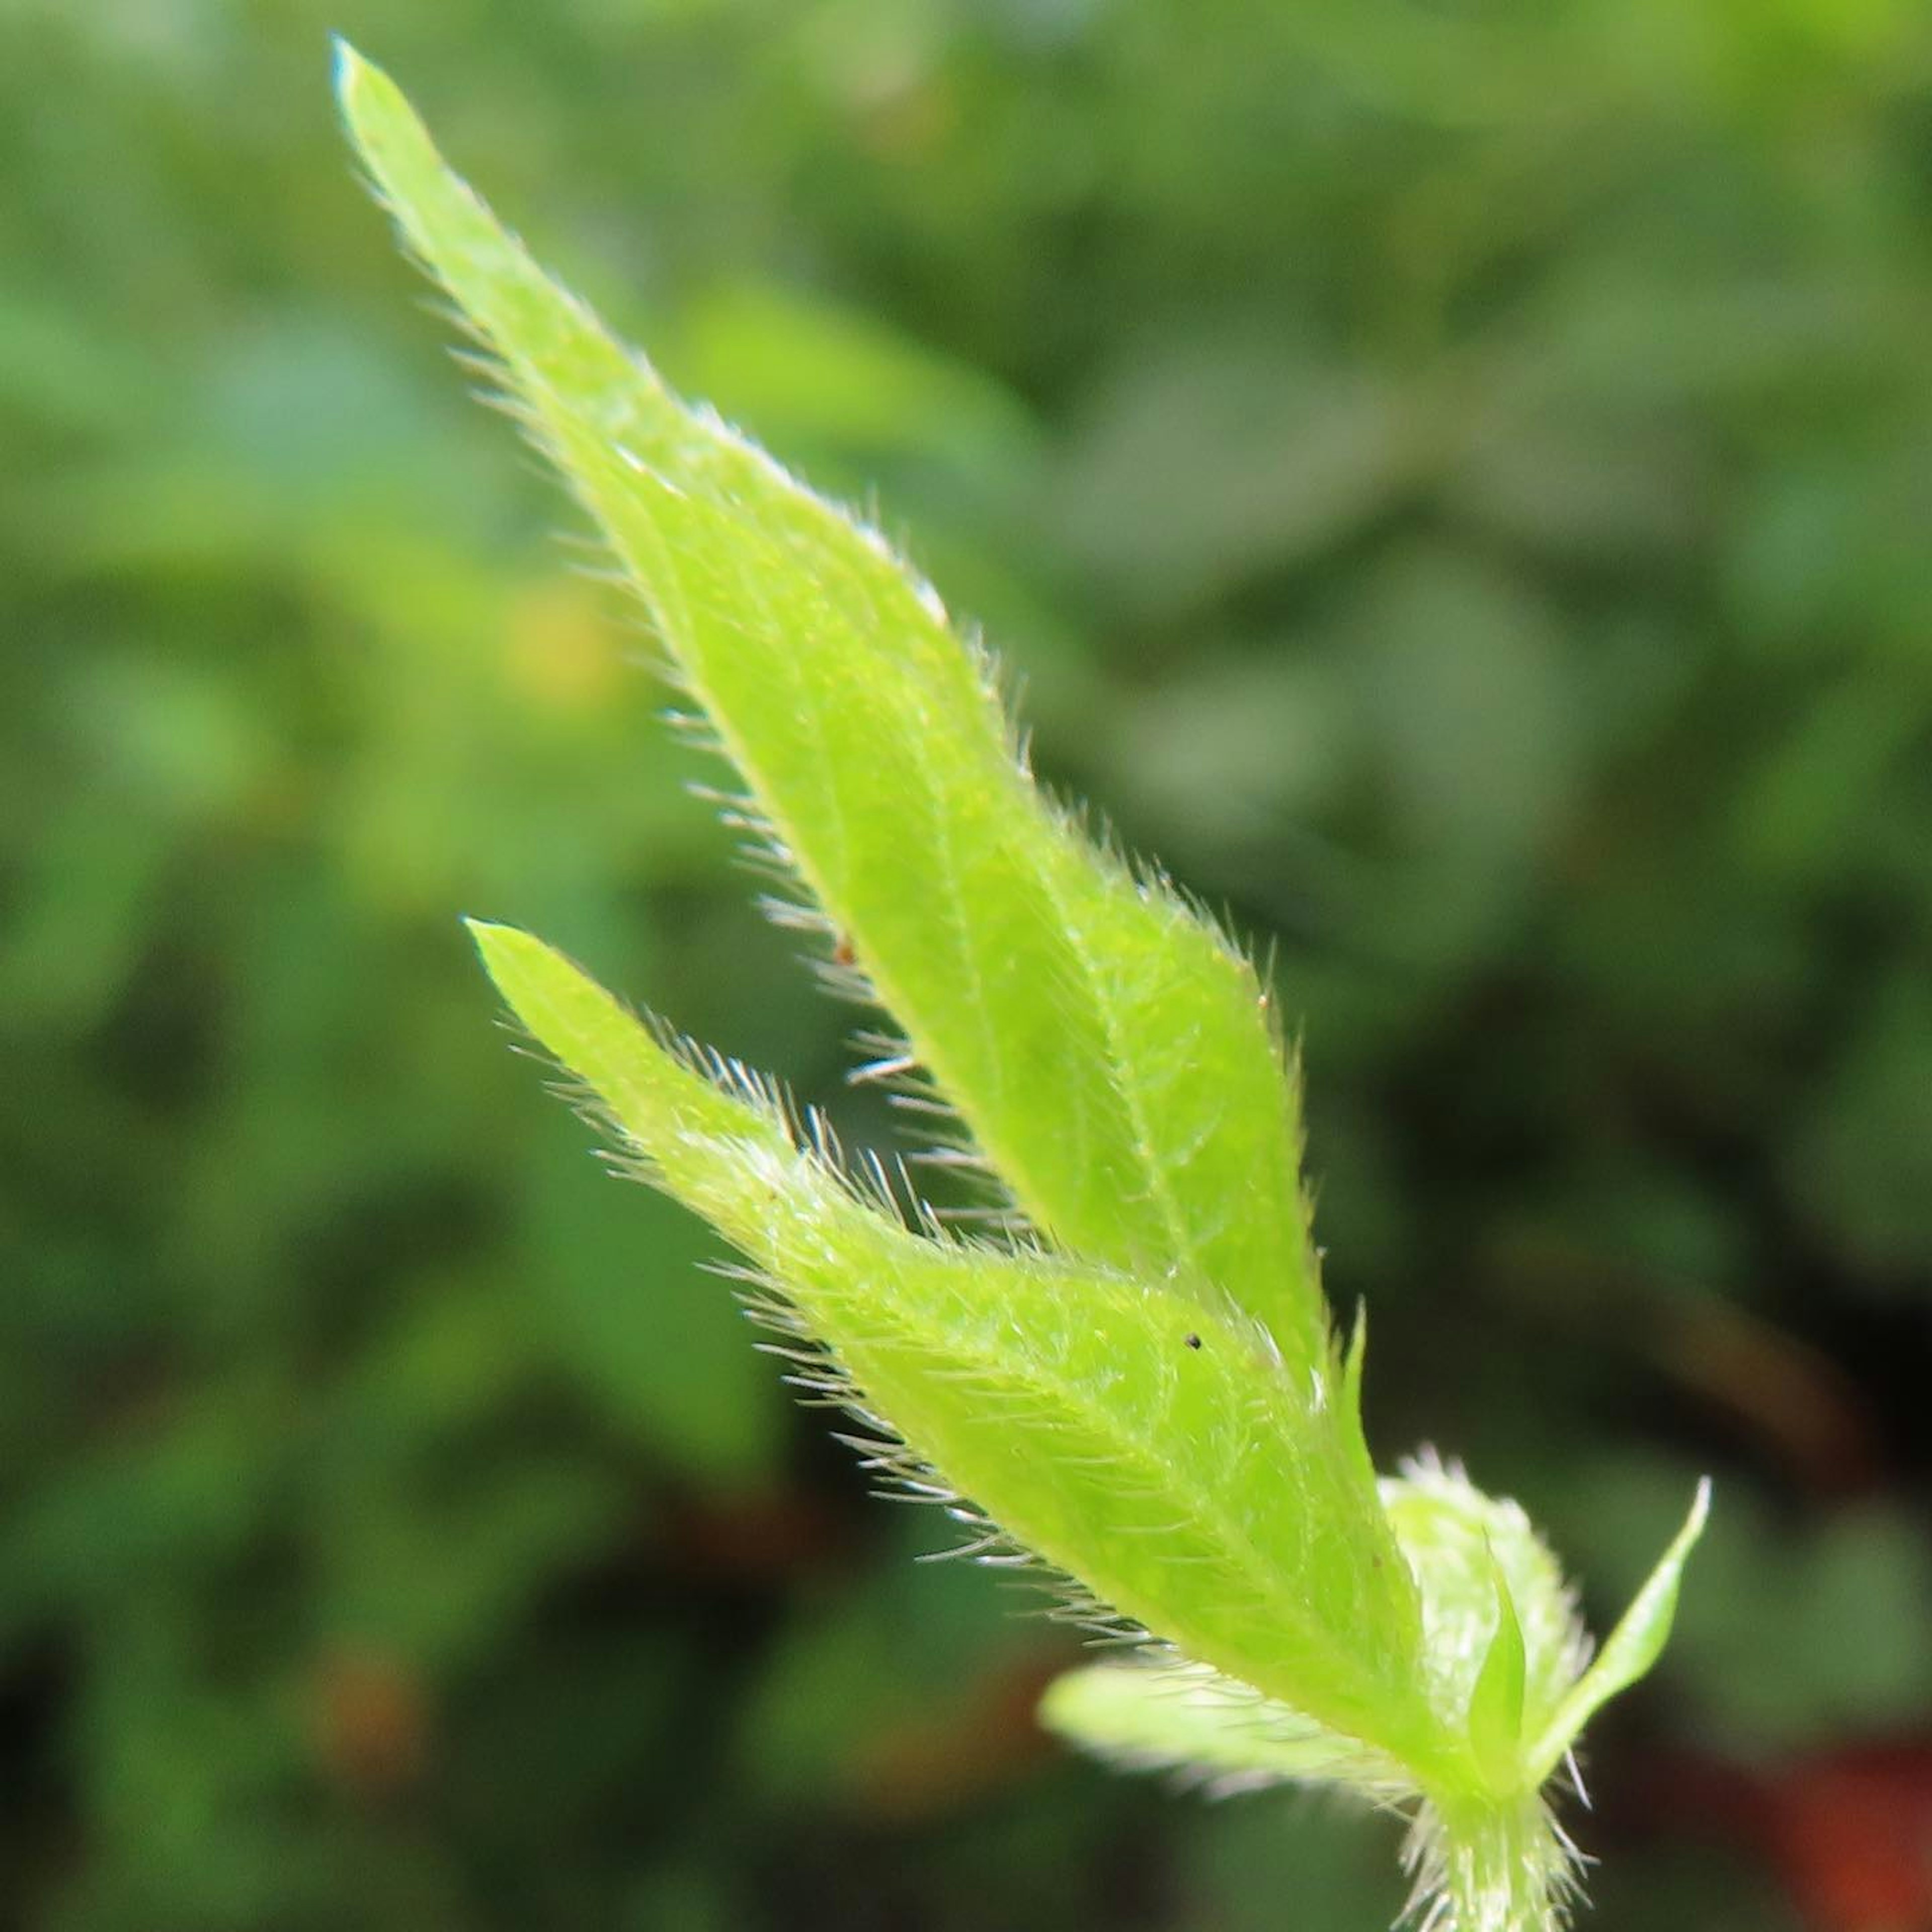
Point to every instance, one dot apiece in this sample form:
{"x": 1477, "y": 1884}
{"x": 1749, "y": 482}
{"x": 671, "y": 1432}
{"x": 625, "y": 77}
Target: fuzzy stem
{"x": 1505, "y": 1867}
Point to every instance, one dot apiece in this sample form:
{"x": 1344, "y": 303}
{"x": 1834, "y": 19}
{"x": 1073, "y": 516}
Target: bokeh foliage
{"x": 1456, "y": 481}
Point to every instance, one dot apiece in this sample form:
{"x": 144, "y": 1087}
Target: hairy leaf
{"x": 1156, "y": 1451}
{"x": 1175, "y": 1715}
{"x": 1022, "y": 963}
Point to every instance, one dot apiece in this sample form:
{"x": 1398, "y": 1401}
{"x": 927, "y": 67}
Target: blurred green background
{"x": 1454, "y": 479}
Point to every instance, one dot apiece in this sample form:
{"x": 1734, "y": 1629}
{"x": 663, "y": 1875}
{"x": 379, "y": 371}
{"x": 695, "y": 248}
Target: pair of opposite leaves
{"x": 1137, "y": 1381}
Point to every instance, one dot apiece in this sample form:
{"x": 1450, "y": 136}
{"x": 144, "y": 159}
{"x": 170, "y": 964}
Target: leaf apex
{"x": 1700, "y": 1513}
{"x": 353, "y": 72}
{"x": 495, "y": 940}
{"x": 522, "y": 968}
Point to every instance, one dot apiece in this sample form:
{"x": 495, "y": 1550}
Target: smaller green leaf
{"x": 1495, "y": 1703}
{"x": 1633, "y": 1647}
{"x": 1184, "y": 1717}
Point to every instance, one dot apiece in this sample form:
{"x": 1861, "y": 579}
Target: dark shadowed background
{"x": 1454, "y": 480}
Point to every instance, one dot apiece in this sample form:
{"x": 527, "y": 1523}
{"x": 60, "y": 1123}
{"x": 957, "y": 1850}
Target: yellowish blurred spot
{"x": 560, "y": 649}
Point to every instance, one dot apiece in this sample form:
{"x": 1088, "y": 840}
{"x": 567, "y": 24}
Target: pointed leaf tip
{"x": 380, "y": 121}
{"x": 351, "y": 70}
{"x": 537, "y": 983}
{"x": 486, "y": 932}
{"x": 493, "y": 942}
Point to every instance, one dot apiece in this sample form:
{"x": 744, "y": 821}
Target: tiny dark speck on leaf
{"x": 1194, "y": 1341}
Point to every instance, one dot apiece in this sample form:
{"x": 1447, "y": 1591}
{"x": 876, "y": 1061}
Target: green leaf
{"x": 1174, "y": 1715}
{"x": 1633, "y": 1647}
{"x": 1152, "y": 1449}
{"x": 1111, "y": 1054}
{"x": 1496, "y": 1701}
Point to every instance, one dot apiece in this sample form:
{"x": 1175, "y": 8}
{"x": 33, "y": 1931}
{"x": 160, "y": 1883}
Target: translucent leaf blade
{"x": 1183, "y": 1717}
{"x": 1109, "y": 1050}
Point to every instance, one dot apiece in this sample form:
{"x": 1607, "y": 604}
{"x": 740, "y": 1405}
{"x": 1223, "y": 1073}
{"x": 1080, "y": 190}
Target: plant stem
{"x": 1501, "y": 1867}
